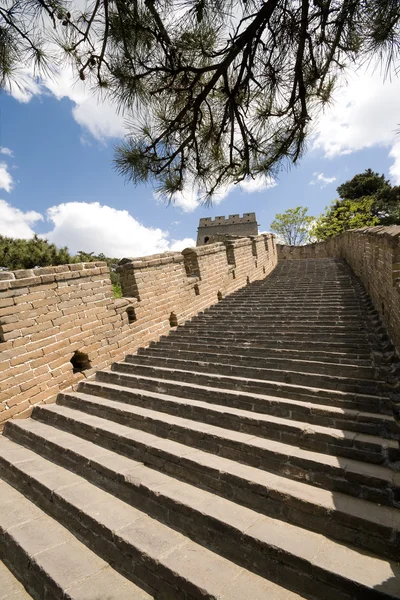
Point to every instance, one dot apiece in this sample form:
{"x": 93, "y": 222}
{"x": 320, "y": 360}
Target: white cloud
{"x": 365, "y": 113}
{"x": 98, "y": 116}
{"x": 178, "y": 245}
{"x": 26, "y": 87}
{"x": 6, "y": 180}
{"x": 319, "y": 178}
{"x": 16, "y": 223}
{"x": 258, "y": 183}
{"x": 6, "y": 151}
{"x": 93, "y": 227}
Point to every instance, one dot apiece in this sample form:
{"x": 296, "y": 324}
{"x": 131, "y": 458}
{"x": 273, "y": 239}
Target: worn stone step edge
{"x": 270, "y": 342}
{"x": 168, "y": 344}
{"x": 24, "y": 528}
{"x": 262, "y": 319}
{"x": 307, "y": 437}
{"x": 278, "y": 362}
{"x": 183, "y": 386}
{"x": 237, "y": 336}
{"x": 353, "y": 521}
{"x": 374, "y": 483}
{"x": 270, "y": 373}
{"x": 258, "y": 353}
{"x": 250, "y": 384}
{"x": 326, "y": 416}
{"x": 282, "y": 325}
{"x": 10, "y": 587}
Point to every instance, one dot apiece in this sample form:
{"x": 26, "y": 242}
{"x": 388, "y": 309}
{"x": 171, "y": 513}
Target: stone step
{"x": 280, "y": 303}
{"x": 288, "y": 325}
{"x": 326, "y": 416}
{"x": 306, "y": 291}
{"x": 47, "y": 558}
{"x": 351, "y": 520}
{"x": 265, "y": 317}
{"x": 170, "y": 563}
{"x": 214, "y": 425}
{"x": 141, "y": 364}
{"x": 345, "y": 347}
{"x": 229, "y": 306}
{"x": 360, "y": 339}
{"x": 275, "y": 322}
{"x": 279, "y": 363}
{"x": 199, "y": 384}
{"x": 268, "y": 296}
{"x": 168, "y": 345}
{"x": 10, "y": 587}
{"x": 374, "y": 483}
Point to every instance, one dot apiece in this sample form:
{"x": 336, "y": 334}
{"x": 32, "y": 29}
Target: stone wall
{"x": 51, "y": 315}
{"x": 374, "y": 255}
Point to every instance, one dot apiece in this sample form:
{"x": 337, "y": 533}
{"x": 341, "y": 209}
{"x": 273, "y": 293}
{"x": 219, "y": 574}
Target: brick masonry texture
{"x": 373, "y": 253}
{"x": 48, "y": 314}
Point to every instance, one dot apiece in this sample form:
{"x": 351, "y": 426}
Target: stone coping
{"x": 42, "y": 275}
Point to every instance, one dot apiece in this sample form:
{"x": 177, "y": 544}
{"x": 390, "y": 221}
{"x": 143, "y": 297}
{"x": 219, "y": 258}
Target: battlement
{"x": 231, "y": 220}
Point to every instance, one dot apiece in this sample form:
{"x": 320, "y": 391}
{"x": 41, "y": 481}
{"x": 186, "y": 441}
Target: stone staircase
{"x": 250, "y": 455}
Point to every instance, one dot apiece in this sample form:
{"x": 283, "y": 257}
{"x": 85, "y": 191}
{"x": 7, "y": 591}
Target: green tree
{"x": 27, "y": 254}
{"x": 293, "y": 226}
{"x": 386, "y": 198}
{"x": 365, "y": 200}
{"x": 343, "y": 215}
{"x": 217, "y": 91}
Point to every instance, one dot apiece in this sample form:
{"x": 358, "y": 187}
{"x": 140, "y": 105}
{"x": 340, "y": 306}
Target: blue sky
{"x": 57, "y": 176}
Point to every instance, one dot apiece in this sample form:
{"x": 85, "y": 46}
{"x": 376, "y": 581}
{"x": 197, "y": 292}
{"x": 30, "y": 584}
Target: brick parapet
{"x": 374, "y": 255}
{"x": 48, "y": 314}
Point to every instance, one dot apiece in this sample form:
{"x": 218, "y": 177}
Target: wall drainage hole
{"x": 173, "y": 320}
{"x": 131, "y": 315}
{"x": 80, "y": 362}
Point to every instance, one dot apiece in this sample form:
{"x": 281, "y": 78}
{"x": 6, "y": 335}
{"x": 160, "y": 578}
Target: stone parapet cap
{"x": 40, "y": 275}
{"x": 154, "y": 260}
{"x": 124, "y": 302}
{"x": 239, "y": 242}
{"x": 389, "y": 231}
{"x": 205, "y": 250}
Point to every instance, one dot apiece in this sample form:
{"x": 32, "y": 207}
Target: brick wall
{"x": 48, "y": 315}
{"x": 374, "y": 255}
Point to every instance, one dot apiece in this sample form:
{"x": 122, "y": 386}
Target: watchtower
{"x": 210, "y": 230}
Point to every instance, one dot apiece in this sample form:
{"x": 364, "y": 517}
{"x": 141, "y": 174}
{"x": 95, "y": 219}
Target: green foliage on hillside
{"x": 36, "y": 252}
{"x": 365, "y": 200}
{"x": 343, "y": 215}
